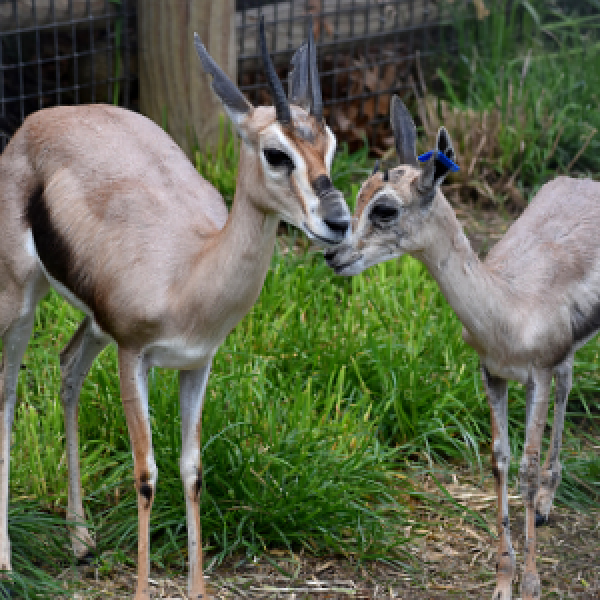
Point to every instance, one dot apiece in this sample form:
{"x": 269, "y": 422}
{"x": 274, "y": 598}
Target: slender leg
{"x": 551, "y": 471}
{"x": 134, "y": 395}
{"x": 192, "y": 385}
{"x": 75, "y": 362}
{"x": 529, "y": 474}
{"x": 15, "y": 342}
{"x": 497, "y": 394}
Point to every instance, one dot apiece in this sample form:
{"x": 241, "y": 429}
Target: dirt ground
{"x": 457, "y": 561}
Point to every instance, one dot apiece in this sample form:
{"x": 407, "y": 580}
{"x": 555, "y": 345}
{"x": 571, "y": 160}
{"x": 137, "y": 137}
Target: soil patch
{"x": 456, "y": 557}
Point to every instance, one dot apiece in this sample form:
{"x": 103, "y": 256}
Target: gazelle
{"x": 525, "y": 310}
{"x": 99, "y": 203}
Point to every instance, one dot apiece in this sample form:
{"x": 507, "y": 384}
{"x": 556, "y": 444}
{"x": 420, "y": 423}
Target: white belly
{"x": 177, "y": 354}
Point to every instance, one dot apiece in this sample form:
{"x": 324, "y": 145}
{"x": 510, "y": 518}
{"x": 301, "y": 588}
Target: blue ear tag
{"x": 452, "y": 166}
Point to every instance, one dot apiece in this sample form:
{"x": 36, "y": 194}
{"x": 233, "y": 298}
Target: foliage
{"x": 320, "y": 399}
{"x": 523, "y": 96}
{"x": 332, "y": 393}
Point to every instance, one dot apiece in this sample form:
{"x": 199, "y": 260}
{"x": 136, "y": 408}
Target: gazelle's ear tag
{"x": 442, "y": 158}
{"x": 436, "y": 165}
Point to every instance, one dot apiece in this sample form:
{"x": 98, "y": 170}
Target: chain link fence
{"x": 56, "y": 52}
{"x": 368, "y": 50}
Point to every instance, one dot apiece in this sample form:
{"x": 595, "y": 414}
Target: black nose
{"x": 338, "y": 223}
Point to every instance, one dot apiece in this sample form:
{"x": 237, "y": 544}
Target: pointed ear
{"x": 298, "y": 79}
{"x": 434, "y": 171}
{"x": 425, "y": 183}
{"x": 405, "y": 132}
{"x": 443, "y": 145}
{"x": 234, "y": 103}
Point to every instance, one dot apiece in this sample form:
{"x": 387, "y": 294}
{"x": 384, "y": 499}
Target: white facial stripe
{"x": 332, "y": 141}
{"x": 283, "y": 143}
{"x": 387, "y": 191}
{"x": 300, "y": 173}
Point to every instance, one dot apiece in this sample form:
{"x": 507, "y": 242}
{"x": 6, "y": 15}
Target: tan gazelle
{"x": 526, "y": 309}
{"x": 99, "y": 203}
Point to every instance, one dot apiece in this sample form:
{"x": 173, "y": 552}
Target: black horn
{"x": 315, "y": 86}
{"x": 282, "y": 108}
{"x": 375, "y": 168}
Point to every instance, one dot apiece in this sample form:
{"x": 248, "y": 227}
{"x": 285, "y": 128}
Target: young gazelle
{"x": 525, "y": 310}
{"x": 99, "y": 203}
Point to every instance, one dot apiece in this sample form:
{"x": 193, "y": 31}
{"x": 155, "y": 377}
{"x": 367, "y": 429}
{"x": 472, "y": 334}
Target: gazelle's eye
{"x": 277, "y": 159}
{"x": 383, "y": 212}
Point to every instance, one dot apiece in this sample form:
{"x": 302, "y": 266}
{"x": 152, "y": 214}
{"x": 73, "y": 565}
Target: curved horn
{"x": 405, "y": 132}
{"x": 299, "y": 79}
{"x": 282, "y": 108}
{"x": 315, "y": 86}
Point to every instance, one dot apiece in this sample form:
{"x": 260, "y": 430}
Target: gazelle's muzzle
{"x": 344, "y": 260}
{"x": 335, "y": 213}
{"x": 332, "y": 210}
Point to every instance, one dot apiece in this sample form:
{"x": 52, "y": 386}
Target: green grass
{"x": 332, "y": 393}
{"x": 536, "y": 62}
{"x": 327, "y": 391}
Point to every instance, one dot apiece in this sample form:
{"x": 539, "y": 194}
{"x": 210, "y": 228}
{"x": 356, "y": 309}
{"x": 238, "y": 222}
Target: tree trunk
{"x": 174, "y": 90}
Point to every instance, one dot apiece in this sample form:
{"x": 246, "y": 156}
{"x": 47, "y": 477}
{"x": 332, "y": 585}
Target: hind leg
{"x": 550, "y": 474}
{"x": 75, "y": 361}
{"x": 15, "y": 337}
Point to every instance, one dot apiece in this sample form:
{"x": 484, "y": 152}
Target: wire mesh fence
{"x": 55, "y": 52}
{"x": 368, "y": 50}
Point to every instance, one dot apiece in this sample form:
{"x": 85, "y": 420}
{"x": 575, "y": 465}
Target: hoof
{"x": 502, "y": 593}
{"x": 530, "y": 587}
{"x": 540, "y": 519}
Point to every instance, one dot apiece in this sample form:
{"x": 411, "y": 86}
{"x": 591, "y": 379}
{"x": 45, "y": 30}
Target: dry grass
{"x": 458, "y": 560}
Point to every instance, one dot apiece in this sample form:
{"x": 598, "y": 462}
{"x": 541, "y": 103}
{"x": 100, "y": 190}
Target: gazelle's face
{"x": 390, "y": 220}
{"x": 394, "y": 208}
{"x": 287, "y": 149}
{"x": 294, "y": 165}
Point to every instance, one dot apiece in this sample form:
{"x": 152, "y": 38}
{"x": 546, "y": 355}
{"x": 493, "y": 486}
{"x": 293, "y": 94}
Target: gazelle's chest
{"x": 500, "y": 360}
{"x": 177, "y": 353}
{"x": 194, "y": 349}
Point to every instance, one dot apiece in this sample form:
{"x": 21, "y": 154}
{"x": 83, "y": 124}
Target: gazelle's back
{"x": 107, "y": 152}
{"x": 127, "y": 206}
{"x": 554, "y": 245}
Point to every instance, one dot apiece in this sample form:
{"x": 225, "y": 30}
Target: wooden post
{"x": 174, "y": 90}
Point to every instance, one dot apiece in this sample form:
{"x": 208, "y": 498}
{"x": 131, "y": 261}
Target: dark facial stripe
{"x": 584, "y": 325}
{"x": 55, "y": 253}
{"x": 321, "y": 185}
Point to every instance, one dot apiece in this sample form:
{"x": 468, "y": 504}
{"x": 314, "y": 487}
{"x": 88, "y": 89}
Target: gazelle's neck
{"x": 478, "y": 297}
{"x": 230, "y": 270}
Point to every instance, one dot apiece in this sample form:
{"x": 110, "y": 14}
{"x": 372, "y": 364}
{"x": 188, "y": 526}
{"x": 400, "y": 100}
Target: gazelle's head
{"x": 393, "y": 208}
{"x": 287, "y": 149}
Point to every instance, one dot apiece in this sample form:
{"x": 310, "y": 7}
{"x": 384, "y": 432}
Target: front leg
{"x": 497, "y": 395}
{"x": 192, "y": 385}
{"x": 538, "y": 389}
{"x": 134, "y": 395}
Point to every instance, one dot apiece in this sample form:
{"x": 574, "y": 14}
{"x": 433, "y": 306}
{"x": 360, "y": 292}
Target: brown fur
{"x": 122, "y": 221}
